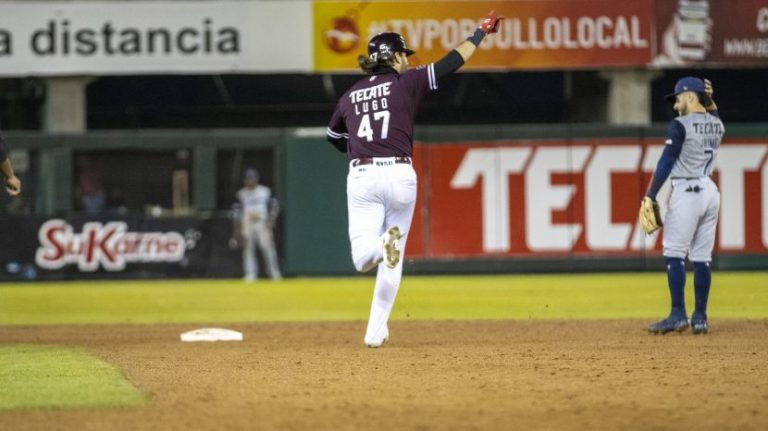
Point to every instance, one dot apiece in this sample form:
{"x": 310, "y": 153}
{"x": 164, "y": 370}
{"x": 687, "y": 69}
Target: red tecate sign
{"x": 549, "y": 198}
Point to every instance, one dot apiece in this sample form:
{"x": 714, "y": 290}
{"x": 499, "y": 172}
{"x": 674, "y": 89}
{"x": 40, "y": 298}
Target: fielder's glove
{"x": 650, "y": 217}
{"x": 490, "y": 24}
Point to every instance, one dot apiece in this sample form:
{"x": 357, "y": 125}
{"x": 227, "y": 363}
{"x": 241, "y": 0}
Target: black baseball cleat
{"x": 699, "y": 324}
{"x": 671, "y": 323}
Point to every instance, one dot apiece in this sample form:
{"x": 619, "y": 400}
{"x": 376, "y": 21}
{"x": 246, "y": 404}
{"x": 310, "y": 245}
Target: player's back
{"x": 703, "y": 134}
{"x": 379, "y": 110}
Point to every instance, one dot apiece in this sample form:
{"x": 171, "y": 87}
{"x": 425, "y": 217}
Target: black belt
{"x": 370, "y": 160}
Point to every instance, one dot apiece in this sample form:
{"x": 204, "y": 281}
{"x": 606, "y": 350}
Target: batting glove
{"x": 490, "y": 24}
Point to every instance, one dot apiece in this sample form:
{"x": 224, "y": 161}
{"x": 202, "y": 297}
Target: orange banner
{"x": 534, "y": 35}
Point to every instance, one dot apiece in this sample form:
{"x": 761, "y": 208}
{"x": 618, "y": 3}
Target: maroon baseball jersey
{"x": 376, "y": 115}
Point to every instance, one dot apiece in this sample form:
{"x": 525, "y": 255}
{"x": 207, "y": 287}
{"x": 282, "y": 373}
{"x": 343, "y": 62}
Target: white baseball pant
{"x": 690, "y": 222}
{"x": 260, "y": 234}
{"x": 379, "y": 196}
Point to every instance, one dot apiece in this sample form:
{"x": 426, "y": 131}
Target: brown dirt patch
{"x": 434, "y": 375}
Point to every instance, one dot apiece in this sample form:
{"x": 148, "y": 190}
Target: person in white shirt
{"x": 254, "y": 219}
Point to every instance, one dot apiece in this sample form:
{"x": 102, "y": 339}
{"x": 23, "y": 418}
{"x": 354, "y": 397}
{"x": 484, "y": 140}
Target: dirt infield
{"x": 434, "y": 375}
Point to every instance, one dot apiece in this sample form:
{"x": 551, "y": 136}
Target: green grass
{"x": 33, "y": 377}
{"x": 583, "y": 296}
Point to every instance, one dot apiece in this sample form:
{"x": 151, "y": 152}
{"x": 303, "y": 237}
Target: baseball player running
{"x": 373, "y": 124}
{"x": 12, "y": 182}
{"x": 692, "y": 142}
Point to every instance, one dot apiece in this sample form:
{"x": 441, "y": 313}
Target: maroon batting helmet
{"x": 385, "y": 45}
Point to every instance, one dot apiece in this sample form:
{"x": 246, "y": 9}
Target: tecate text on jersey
{"x": 708, "y": 128}
{"x": 369, "y": 93}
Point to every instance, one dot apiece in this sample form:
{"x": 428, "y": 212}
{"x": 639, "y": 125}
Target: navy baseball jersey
{"x": 376, "y": 115}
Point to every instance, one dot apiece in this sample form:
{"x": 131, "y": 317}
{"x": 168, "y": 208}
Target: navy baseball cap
{"x": 251, "y": 174}
{"x": 689, "y": 83}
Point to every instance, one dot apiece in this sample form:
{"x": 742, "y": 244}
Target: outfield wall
{"x": 530, "y": 199}
{"x": 490, "y": 199}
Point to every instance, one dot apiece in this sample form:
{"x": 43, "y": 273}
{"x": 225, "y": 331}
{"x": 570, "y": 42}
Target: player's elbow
{"x": 450, "y": 63}
{"x": 338, "y": 143}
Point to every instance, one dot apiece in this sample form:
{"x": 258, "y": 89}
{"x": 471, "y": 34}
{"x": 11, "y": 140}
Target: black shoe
{"x": 699, "y": 323}
{"x": 671, "y": 323}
